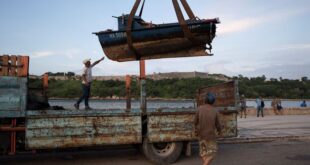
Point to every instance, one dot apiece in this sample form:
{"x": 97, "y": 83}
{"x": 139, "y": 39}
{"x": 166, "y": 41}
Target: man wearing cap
{"x": 86, "y": 82}
{"x": 206, "y": 122}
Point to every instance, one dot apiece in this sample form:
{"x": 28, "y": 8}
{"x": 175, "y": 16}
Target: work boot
{"x": 88, "y": 108}
{"x": 77, "y": 106}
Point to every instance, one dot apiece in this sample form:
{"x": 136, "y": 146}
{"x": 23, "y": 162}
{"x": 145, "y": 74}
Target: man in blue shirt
{"x": 303, "y": 104}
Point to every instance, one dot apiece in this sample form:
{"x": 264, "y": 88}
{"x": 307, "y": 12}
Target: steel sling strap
{"x": 129, "y": 28}
{"x": 181, "y": 20}
{"x": 187, "y": 33}
{"x": 188, "y": 10}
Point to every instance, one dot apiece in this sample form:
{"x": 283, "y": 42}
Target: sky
{"x": 255, "y": 38}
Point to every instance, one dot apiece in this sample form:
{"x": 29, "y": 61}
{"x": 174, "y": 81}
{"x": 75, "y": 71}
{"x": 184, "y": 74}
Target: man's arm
{"x": 97, "y": 62}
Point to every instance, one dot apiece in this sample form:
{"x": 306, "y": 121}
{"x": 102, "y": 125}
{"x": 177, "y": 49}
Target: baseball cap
{"x": 86, "y": 60}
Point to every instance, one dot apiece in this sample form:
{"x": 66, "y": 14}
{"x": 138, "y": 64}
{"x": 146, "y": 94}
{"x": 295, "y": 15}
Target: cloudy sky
{"x": 266, "y": 37}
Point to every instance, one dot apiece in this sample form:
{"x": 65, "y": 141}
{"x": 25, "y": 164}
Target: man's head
{"x": 86, "y": 62}
{"x": 210, "y": 98}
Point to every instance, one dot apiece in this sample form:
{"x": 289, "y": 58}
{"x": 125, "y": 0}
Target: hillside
{"x": 173, "y": 85}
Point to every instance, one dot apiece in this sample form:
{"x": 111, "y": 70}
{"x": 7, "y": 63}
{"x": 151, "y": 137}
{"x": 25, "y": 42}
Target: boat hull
{"x": 158, "y": 42}
{"x": 167, "y": 48}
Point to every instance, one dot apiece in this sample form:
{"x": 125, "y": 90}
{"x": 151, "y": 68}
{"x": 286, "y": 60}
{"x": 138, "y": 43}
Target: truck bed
{"x": 46, "y": 129}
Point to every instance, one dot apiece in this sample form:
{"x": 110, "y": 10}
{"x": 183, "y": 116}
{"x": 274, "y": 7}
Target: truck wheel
{"x": 162, "y": 153}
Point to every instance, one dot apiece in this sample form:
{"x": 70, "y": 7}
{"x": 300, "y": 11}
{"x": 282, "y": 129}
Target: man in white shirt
{"x": 86, "y": 82}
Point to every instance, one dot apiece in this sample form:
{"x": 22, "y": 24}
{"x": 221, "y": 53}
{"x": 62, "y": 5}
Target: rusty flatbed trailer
{"x": 163, "y": 132}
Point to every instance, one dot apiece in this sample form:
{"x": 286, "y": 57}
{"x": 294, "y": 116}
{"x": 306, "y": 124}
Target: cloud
{"x": 71, "y": 53}
{"x": 292, "y": 71}
{"x": 288, "y": 47}
{"x": 239, "y": 25}
{"x": 251, "y": 22}
{"x": 41, "y": 54}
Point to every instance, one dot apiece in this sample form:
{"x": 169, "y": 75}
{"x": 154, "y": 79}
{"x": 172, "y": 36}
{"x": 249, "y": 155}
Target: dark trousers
{"x": 261, "y": 110}
{"x": 86, "y": 94}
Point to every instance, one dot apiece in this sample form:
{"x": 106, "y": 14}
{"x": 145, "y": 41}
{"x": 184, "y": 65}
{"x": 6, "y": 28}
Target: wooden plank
{"x": 23, "y": 93}
{"x": 72, "y": 131}
{"x": 13, "y": 96}
{"x": 79, "y": 113}
{"x": 25, "y": 66}
{"x": 83, "y": 121}
{"x": 68, "y": 142}
{"x": 5, "y": 63}
{"x": 1, "y": 65}
{"x": 83, "y": 131}
{"x": 13, "y": 71}
{"x": 180, "y": 127}
{"x": 225, "y": 94}
{"x": 19, "y": 63}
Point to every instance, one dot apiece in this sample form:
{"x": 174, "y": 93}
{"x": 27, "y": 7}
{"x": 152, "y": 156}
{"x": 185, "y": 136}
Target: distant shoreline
{"x": 132, "y": 99}
{"x": 270, "y": 99}
{"x": 163, "y": 99}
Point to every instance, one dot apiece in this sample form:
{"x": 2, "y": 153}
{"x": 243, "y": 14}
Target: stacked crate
{"x": 14, "y": 65}
{"x": 13, "y": 98}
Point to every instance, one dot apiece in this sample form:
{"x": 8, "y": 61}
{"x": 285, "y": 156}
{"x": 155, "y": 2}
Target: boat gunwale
{"x": 158, "y": 27}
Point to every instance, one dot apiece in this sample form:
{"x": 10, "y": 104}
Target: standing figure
{"x": 303, "y": 104}
{"x": 243, "y": 106}
{"x": 258, "y": 105}
{"x": 279, "y": 107}
{"x": 206, "y": 123}
{"x": 86, "y": 82}
{"x": 274, "y": 106}
{"x": 262, "y": 106}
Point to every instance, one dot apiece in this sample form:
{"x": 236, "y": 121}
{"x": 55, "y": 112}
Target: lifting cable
{"x": 187, "y": 33}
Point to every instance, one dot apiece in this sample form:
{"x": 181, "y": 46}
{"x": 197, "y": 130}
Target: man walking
{"x": 258, "y": 105}
{"x": 206, "y": 122}
{"x": 243, "y": 106}
{"x": 86, "y": 82}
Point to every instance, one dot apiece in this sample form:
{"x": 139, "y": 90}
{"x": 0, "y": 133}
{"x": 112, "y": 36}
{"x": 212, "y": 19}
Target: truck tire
{"x": 162, "y": 153}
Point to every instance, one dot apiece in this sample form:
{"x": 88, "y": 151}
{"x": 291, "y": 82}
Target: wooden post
{"x": 128, "y": 91}
{"x": 45, "y": 81}
{"x": 5, "y": 64}
{"x": 13, "y": 139}
{"x": 25, "y": 67}
{"x": 143, "y": 86}
{"x": 19, "y": 64}
{"x": 142, "y": 69}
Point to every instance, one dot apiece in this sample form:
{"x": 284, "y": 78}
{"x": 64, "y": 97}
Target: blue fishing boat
{"x": 136, "y": 39}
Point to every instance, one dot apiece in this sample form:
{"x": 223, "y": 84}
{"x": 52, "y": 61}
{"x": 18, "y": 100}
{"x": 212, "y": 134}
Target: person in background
{"x": 206, "y": 122}
{"x": 274, "y": 106}
{"x": 279, "y": 106}
{"x": 258, "y": 105}
{"x": 86, "y": 82}
{"x": 262, "y": 106}
{"x": 242, "y": 106}
{"x": 303, "y": 104}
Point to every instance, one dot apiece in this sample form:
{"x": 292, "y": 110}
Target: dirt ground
{"x": 269, "y": 153}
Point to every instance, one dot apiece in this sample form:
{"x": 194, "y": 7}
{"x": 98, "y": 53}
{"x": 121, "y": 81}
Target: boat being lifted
{"x": 136, "y": 39}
